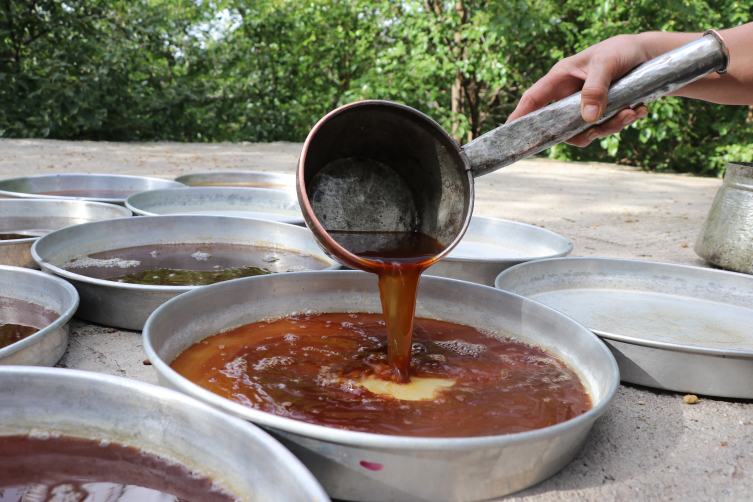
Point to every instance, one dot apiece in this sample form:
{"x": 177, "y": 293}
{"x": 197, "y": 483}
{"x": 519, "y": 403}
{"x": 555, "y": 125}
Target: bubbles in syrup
{"x": 321, "y": 372}
{"x": 463, "y": 348}
{"x": 201, "y": 256}
{"x": 95, "y": 262}
{"x": 298, "y": 268}
{"x": 273, "y": 362}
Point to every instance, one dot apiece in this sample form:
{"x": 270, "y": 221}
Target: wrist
{"x": 651, "y": 44}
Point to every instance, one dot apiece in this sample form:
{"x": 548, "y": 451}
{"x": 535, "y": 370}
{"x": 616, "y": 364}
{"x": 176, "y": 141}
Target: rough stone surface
{"x": 648, "y": 446}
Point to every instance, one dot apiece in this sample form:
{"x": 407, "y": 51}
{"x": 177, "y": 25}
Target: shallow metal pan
{"x": 241, "y": 458}
{"x": 45, "y": 216}
{"x": 112, "y": 188}
{"x": 491, "y": 245}
{"x": 46, "y": 346}
{"x": 256, "y": 203}
{"x": 254, "y": 179}
{"x": 129, "y": 305}
{"x": 413, "y": 469}
{"x": 674, "y": 327}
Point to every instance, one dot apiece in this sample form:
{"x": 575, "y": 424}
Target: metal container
{"x": 492, "y": 245}
{"x": 239, "y": 457}
{"x": 257, "y": 179}
{"x": 46, "y": 346}
{"x": 377, "y": 166}
{"x": 257, "y": 203}
{"x": 674, "y": 327}
{"x": 39, "y": 217}
{"x": 112, "y": 188}
{"x": 129, "y": 305}
{"x": 726, "y": 239}
{"x": 372, "y": 467}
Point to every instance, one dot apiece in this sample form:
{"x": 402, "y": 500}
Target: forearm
{"x": 734, "y": 87}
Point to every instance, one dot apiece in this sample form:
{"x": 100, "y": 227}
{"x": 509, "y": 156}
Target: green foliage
{"x": 267, "y": 70}
{"x": 90, "y": 69}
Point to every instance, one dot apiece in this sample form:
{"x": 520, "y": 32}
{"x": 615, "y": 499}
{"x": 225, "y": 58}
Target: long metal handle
{"x": 562, "y": 120}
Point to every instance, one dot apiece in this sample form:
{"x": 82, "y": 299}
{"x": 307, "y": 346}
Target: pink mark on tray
{"x": 372, "y": 466}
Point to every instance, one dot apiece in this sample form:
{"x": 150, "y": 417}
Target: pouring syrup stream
{"x": 398, "y": 259}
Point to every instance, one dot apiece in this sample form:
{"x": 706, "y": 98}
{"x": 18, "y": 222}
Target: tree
{"x": 267, "y": 70}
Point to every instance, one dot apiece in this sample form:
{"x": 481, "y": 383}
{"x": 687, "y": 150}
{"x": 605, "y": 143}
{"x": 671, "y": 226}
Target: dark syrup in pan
{"x": 190, "y": 264}
{"x": 312, "y": 367}
{"x": 20, "y": 319}
{"x": 65, "y": 469}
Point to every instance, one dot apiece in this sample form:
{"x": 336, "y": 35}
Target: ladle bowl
{"x": 368, "y": 467}
{"x": 378, "y": 166}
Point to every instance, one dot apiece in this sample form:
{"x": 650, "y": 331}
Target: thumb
{"x": 595, "y": 92}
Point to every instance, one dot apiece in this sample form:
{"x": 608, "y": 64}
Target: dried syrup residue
{"x": 310, "y": 368}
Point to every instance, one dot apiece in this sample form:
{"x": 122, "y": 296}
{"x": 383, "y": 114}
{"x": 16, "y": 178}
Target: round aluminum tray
{"x": 43, "y": 216}
{"x": 254, "y": 179}
{"x": 674, "y": 327}
{"x": 256, "y": 203}
{"x": 112, "y": 188}
{"x": 46, "y": 346}
{"x": 491, "y": 245}
{"x": 413, "y": 469}
{"x": 129, "y": 305}
{"x": 239, "y": 457}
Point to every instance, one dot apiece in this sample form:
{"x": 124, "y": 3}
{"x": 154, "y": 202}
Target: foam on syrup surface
{"x": 332, "y": 370}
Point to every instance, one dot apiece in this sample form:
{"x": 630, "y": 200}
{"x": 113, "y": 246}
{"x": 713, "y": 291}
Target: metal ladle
{"x": 378, "y": 166}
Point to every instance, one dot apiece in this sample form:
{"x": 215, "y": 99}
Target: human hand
{"x": 591, "y": 72}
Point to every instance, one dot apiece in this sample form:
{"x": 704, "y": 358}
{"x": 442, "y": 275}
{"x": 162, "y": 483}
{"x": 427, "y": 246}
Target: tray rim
{"x": 516, "y": 259}
{"x": 654, "y": 344}
{"x": 53, "y": 270}
{"x": 61, "y": 321}
{"x": 363, "y": 439}
{"x": 104, "y": 200}
{"x": 219, "y": 173}
{"x": 189, "y": 189}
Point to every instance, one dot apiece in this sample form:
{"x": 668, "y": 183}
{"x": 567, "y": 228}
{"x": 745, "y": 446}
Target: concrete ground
{"x": 648, "y": 446}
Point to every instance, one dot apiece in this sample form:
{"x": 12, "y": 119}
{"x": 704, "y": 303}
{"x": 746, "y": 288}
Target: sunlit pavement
{"x": 648, "y": 446}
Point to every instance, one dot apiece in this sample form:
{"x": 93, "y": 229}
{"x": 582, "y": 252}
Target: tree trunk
{"x": 457, "y": 108}
{"x": 472, "y": 92}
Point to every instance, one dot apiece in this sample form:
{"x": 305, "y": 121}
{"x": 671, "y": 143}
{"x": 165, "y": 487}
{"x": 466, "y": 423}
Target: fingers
{"x": 612, "y": 126}
{"x": 595, "y": 92}
{"x": 562, "y": 81}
